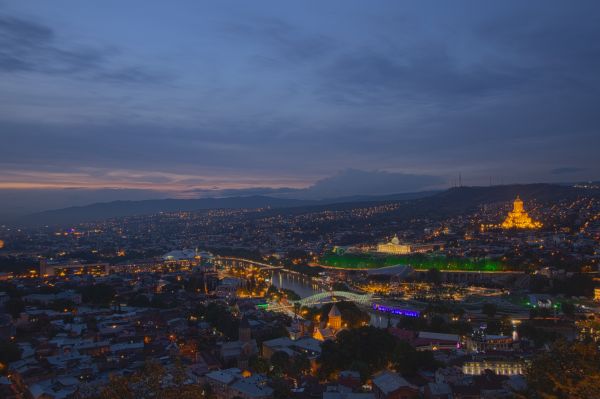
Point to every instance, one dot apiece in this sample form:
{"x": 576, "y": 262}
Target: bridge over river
{"x": 312, "y": 291}
{"x": 323, "y": 298}
{"x": 230, "y": 261}
{"x": 332, "y": 296}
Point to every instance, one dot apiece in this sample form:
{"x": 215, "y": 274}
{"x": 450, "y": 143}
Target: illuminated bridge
{"x": 333, "y": 296}
{"x": 320, "y": 299}
{"x": 330, "y": 296}
{"x": 229, "y": 261}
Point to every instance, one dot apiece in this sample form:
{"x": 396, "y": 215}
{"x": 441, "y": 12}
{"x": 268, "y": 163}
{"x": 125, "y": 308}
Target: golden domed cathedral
{"x": 519, "y": 219}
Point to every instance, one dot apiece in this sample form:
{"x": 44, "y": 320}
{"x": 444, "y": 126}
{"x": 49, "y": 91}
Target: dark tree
{"x": 489, "y": 309}
{"x": 369, "y": 345}
{"x": 9, "y": 352}
{"x": 98, "y": 294}
{"x": 14, "y": 306}
{"x": 568, "y": 308}
{"x": 340, "y": 286}
{"x": 281, "y": 390}
{"x": 259, "y": 365}
{"x": 280, "y": 361}
{"x": 139, "y": 300}
{"x": 407, "y": 360}
{"x": 566, "y": 371}
{"x": 299, "y": 366}
{"x": 219, "y": 316}
{"x": 434, "y": 276}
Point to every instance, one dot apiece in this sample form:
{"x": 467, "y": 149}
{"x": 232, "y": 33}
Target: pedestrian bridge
{"x": 230, "y": 261}
{"x": 332, "y": 296}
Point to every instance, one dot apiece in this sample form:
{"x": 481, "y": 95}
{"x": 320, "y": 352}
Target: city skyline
{"x": 204, "y": 99}
{"x": 291, "y": 200}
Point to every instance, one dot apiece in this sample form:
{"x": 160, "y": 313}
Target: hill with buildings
{"x": 432, "y": 204}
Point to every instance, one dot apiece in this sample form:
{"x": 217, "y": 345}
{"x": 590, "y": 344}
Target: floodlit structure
{"x": 72, "y": 268}
{"x": 499, "y": 367}
{"x": 394, "y": 247}
{"x": 335, "y": 318}
{"x": 519, "y": 219}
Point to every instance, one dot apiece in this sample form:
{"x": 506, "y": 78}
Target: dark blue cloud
{"x": 285, "y": 43}
{"x": 28, "y": 46}
{"x": 349, "y": 182}
{"x": 277, "y": 95}
{"x": 568, "y": 170}
{"x": 355, "y": 182}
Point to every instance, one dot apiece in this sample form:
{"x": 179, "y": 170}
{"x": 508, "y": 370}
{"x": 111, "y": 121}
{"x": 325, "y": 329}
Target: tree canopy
{"x": 153, "y": 381}
{"x": 568, "y": 370}
{"x": 369, "y": 349}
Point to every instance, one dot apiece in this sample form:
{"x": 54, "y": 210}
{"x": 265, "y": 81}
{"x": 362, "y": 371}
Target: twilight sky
{"x": 148, "y": 99}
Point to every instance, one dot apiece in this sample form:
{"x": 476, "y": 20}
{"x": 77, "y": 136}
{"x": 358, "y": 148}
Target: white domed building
{"x": 394, "y": 247}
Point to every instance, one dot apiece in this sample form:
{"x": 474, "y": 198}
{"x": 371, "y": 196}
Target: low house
{"x": 390, "y": 385}
{"x": 231, "y": 383}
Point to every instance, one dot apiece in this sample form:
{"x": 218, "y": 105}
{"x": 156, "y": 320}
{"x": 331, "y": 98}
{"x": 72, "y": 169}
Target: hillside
{"x": 431, "y": 204}
{"x": 106, "y": 210}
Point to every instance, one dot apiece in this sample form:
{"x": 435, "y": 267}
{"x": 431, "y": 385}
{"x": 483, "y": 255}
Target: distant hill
{"x": 451, "y": 201}
{"x": 458, "y": 200}
{"x": 461, "y": 200}
{"x": 106, "y": 210}
{"x": 466, "y": 198}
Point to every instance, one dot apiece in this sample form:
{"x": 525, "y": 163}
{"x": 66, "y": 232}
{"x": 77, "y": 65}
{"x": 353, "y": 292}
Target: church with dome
{"x": 333, "y": 326}
{"x": 518, "y": 218}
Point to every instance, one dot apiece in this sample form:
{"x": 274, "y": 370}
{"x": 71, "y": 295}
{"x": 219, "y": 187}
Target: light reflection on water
{"x": 381, "y": 320}
{"x": 301, "y": 285}
{"x": 305, "y": 287}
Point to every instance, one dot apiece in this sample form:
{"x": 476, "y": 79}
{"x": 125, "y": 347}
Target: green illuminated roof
{"x": 365, "y": 261}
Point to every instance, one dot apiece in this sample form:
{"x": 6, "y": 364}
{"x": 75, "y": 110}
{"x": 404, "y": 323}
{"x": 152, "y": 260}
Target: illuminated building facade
{"x": 499, "y": 367}
{"x": 394, "y": 247}
{"x": 333, "y": 326}
{"x": 518, "y": 218}
{"x": 181, "y": 259}
{"x": 72, "y": 268}
{"x": 479, "y": 341}
{"x": 334, "y": 318}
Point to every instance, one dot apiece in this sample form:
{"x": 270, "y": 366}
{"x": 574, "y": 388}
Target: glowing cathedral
{"x": 519, "y": 219}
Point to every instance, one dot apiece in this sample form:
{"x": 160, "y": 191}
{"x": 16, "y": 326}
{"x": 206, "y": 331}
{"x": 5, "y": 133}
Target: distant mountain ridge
{"x": 106, "y": 210}
{"x": 453, "y": 200}
{"x": 113, "y": 209}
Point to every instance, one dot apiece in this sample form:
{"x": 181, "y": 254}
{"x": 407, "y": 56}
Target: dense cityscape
{"x": 260, "y": 303}
{"x": 339, "y": 199}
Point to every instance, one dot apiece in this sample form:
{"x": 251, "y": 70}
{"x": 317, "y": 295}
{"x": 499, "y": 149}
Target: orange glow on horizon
{"x": 179, "y": 184}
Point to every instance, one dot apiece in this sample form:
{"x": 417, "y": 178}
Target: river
{"x": 304, "y": 286}
{"x": 300, "y": 284}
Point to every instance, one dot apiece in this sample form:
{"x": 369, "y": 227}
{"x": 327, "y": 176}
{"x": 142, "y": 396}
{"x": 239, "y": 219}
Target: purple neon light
{"x": 396, "y": 311}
